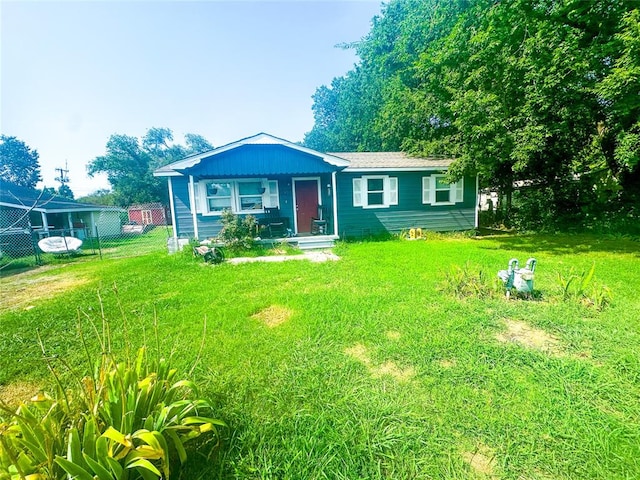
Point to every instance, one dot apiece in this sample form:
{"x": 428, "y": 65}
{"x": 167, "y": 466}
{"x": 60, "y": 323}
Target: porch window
{"x": 250, "y": 196}
{"x": 436, "y": 191}
{"x": 219, "y": 196}
{"x": 239, "y": 196}
{"x": 379, "y": 191}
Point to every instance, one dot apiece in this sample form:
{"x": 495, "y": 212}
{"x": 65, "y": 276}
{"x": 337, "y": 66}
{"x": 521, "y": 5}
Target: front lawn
{"x": 364, "y": 367}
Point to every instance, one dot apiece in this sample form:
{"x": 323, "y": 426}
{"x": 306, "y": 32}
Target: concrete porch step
{"x": 313, "y": 242}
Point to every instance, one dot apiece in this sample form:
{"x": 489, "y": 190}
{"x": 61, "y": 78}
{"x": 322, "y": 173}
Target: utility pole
{"x": 62, "y": 178}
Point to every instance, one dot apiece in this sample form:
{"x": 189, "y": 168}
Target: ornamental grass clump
{"x": 583, "y": 288}
{"x": 128, "y": 419}
{"x": 467, "y": 281}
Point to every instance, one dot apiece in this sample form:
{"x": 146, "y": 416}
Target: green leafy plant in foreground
{"x": 127, "y": 420}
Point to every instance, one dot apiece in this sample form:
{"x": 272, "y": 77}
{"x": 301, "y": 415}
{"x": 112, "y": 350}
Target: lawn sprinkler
{"x": 520, "y": 279}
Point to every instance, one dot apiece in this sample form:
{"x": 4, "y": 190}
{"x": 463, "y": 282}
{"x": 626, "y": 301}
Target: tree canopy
{"x": 542, "y": 91}
{"x": 129, "y": 163}
{"x": 19, "y": 164}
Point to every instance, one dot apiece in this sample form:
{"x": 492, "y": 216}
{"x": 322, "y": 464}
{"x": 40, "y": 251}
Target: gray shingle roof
{"x": 29, "y": 198}
{"x": 392, "y": 160}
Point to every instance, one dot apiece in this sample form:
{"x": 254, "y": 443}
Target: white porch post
{"x": 70, "y": 221}
{"x": 335, "y": 203}
{"x": 172, "y": 207}
{"x": 192, "y": 206}
{"x": 45, "y": 222}
{"x": 477, "y": 222}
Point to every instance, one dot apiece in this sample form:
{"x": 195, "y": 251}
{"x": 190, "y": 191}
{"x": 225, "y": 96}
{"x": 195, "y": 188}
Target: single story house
{"x": 147, "y": 214}
{"x": 24, "y": 211}
{"x": 356, "y": 194}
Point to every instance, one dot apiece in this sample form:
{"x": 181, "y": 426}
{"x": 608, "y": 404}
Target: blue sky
{"x": 73, "y": 73}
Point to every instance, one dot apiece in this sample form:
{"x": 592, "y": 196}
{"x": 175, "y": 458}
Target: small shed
{"x": 148, "y": 214}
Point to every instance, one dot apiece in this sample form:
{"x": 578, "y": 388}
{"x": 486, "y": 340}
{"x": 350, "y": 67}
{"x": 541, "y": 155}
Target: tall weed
{"x": 583, "y": 288}
{"x": 468, "y": 281}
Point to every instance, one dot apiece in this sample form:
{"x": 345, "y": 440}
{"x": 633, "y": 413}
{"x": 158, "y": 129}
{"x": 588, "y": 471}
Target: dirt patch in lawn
{"x": 23, "y": 289}
{"x": 391, "y": 369}
{"x": 447, "y": 362}
{"x": 482, "y": 461}
{"x": 530, "y": 337}
{"x": 274, "y": 315}
{"x": 18, "y": 392}
{"x": 393, "y": 335}
{"x": 360, "y": 353}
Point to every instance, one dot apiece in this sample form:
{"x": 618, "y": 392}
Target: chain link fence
{"x": 22, "y": 246}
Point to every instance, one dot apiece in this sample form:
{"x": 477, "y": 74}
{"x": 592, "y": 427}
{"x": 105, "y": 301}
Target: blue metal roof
{"x": 259, "y": 155}
{"x": 259, "y": 160}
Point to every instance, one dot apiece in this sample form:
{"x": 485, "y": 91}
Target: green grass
{"x": 322, "y": 395}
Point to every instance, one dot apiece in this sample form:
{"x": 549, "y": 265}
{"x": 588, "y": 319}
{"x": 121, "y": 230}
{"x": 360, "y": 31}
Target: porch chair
{"x": 275, "y": 223}
{"x": 319, "y": 224}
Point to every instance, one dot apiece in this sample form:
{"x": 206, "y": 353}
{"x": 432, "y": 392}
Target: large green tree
{"x": 129, "y": 163}
{"x": 18, "y": 162}
{"x": 542, "y": 91}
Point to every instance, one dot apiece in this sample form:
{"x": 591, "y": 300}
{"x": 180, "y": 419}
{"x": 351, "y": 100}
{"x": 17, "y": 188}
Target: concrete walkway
{"x": 311, "y": 256}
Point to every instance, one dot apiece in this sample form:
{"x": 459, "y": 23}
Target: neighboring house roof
{"x": 26, "y": 198}
{"x": 392, "y": 161}
{"x": 178, "y": 168}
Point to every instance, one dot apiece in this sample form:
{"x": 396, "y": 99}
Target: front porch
{"x": 289, "y": 189}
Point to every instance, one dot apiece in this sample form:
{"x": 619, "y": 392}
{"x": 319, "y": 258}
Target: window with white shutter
{"x": 436, "y": 191}
{"x": 375, "y": 191}
{"x": 244, "y": 195}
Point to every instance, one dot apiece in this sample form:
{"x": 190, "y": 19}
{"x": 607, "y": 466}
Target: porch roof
{"x": 24, "y": 198}
{"x": 259, "y": 155}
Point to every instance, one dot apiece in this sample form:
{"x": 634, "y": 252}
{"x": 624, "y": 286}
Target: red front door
{"x": 306, "y": 203}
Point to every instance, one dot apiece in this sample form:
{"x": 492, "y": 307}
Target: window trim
{"x": 238, "y": 197}
{"x": 205, "y": 197}
{"x": 361, "y": 191}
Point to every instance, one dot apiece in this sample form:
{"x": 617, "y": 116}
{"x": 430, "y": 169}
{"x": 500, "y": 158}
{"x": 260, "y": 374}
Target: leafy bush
{"x": 238, "y": 233}
{"x": 128, "y": 419}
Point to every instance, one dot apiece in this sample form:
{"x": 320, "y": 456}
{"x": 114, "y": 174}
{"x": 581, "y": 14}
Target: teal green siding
{"x": 410, "y": 212}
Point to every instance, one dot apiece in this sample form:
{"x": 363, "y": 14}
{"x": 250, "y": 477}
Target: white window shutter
{"x": 357, "y": 192}
{"x": 194, "y": 196}
{"x": 393, "y": 190}
{"x": 271, "y": 194}
{"x": 199, "y": 196}
{"x": 426, "y": 190}
{"x": 459, "y": 193}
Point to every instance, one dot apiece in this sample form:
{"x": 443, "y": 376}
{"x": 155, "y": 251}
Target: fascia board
{"x": 391, "y": 170}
